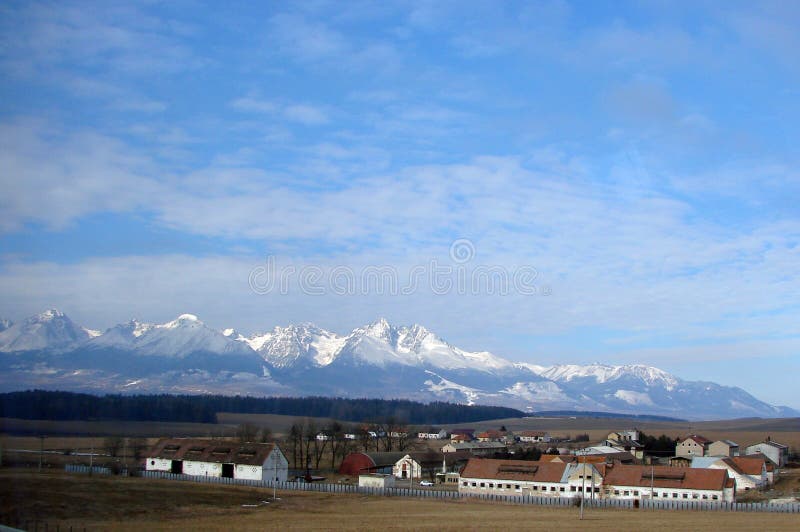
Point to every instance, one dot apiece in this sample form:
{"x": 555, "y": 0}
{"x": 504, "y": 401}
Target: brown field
{"x": 140, "y": 504}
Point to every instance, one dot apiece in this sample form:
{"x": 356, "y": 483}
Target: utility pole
{"x": 583, "y": 485}
{"x": 41, "y": 451}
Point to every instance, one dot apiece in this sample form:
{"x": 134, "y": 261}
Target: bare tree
{"x": 113, "y": 444}
{"x": 265, "y": 435}
{"x": 246, "y": 432}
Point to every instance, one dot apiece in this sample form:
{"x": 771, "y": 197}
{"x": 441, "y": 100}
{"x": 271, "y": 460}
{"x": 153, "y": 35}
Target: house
{"x": 625, "y": 435}
{"x": 477, "y": 448}
{"x": 748, "y": 472}
{"x": 375, "y": 480}
{"x": 533, "y": 436}
{"x": 321, "y": 436}
{"x": 363, "y": 463}
{"x": 432, "y": 434}
{"x": 666, "y": 483}
{"x": 723, "y": 448}
{"x": 491, "y": 435}
{"x": 466, "y": 434}
{"x": 692, "y": 445}
{"x": 777, "y": 453}
{"x": 218, "y": 458}
{"x": 627, "y": 441}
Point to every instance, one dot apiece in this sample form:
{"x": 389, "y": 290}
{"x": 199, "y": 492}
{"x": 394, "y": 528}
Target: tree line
{"x": 67, "y": 406}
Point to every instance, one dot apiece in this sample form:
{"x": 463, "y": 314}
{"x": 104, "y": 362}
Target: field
{"x": 142, "y": 504}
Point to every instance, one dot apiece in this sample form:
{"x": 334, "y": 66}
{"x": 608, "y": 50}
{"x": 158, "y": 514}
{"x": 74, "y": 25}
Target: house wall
{"x": 777, "y": 455}
{"x": 689, "y": 448}
{"x": 158, "y": 464}
{"x": 202, "y": 469}
{"x": 275, "y": 466}
{"x": 513, "y": 487}
{"x": 413, "y": 468}
{"x": 672, "y": 494}
{"x": 376, "y": 481}
{"x": 719, "y": 448}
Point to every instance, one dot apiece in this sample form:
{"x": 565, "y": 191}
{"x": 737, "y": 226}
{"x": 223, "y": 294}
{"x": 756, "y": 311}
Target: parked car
{"x": 425, "y": 483}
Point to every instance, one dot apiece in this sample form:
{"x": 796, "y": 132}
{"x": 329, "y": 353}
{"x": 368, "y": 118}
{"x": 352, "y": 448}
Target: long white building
{"x": 219, "y": 458}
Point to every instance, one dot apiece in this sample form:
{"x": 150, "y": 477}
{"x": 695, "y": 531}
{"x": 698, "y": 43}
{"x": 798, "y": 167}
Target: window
{"x": 655, "y": 494}
{"x": 465, "y": 484}
{"x": 552, "y": 488}
{"x": 483, "y": 485}
{"x": 694, "y": 496}
{"x": 474, "y": 484}
{"x": 616, "y": 492}
{"x": 685, "y": 495}
{"x": 561, "y": 489}
{"x": 491, "y": 484}
{"x": 714, "y": 497}
{"x": 636, "y": 493}
{"x": 705, "y": 497}
{"x": 627, "y": 492}
{"x": 516, "y": 486}
{"x": 572, "y": 488}
{"x": 674, "y": 495}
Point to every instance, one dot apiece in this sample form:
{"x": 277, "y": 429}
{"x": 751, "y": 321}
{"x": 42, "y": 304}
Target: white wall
{"x": 268, "y": 470}
{"x": 202, "y": 469}
{"x": 158, "y": 464}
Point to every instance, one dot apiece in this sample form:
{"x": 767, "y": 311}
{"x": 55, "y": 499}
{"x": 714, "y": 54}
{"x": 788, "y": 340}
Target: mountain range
{"x": 50, "y": 351}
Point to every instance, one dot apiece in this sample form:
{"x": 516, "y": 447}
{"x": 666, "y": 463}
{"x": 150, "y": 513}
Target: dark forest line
{"x": 70, "y": 406}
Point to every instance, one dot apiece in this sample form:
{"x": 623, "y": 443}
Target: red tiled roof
{"x": 749, "y": 465}
{"x": 699, "y": 439}
{"x": 523, "y": 470}
{"x": 665, "y": 477}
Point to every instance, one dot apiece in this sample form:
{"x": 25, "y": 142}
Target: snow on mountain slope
{"x": 303, "y": 344}
{"x": 600, "y": 373}
{"x": 177, "y": 338}
{"x": 51, "y": 329}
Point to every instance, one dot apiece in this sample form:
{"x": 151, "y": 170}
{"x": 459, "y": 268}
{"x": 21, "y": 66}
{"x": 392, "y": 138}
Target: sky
{"x": 554, "y": 182}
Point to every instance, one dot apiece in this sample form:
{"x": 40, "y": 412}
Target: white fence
{"x": 645, "y": 504}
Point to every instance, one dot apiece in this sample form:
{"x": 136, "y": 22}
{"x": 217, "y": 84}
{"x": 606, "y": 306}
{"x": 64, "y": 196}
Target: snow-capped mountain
{"x": 49, "y": 330}
{"x": 381, "y": 360}
{"x": 177, "y": 338}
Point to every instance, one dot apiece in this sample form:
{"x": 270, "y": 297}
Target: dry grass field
{"x": 141, "y": 504}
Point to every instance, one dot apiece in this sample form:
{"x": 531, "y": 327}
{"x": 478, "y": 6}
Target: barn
{"x": 355, "y": 464}
{"x": 218, "y": 458}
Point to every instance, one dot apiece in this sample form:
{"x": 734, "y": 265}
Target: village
{"x": 488, "y": 462}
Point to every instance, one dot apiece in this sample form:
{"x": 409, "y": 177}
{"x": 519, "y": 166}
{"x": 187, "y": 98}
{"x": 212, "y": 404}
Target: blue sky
{"x": 640, "y": 156}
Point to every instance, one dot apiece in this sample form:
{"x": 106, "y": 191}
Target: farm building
{"x": 428, "y": 464}
{"x": 375, "y": 480}
{"x": 776, "y": 452}
{"x": 477, "y": 448}
{"x": 217, "y": 458}
{"x": 611, "y": 481}
{"x": 355, "y": 464}
{"x": 533, "y": 436}
{"x": 666, "y": 483}
{"x": 749, "y": 472}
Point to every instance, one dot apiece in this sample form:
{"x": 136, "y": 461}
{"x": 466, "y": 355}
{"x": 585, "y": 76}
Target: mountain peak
{"x": 184, "y": 320}
{"x": 49, "y": 314}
